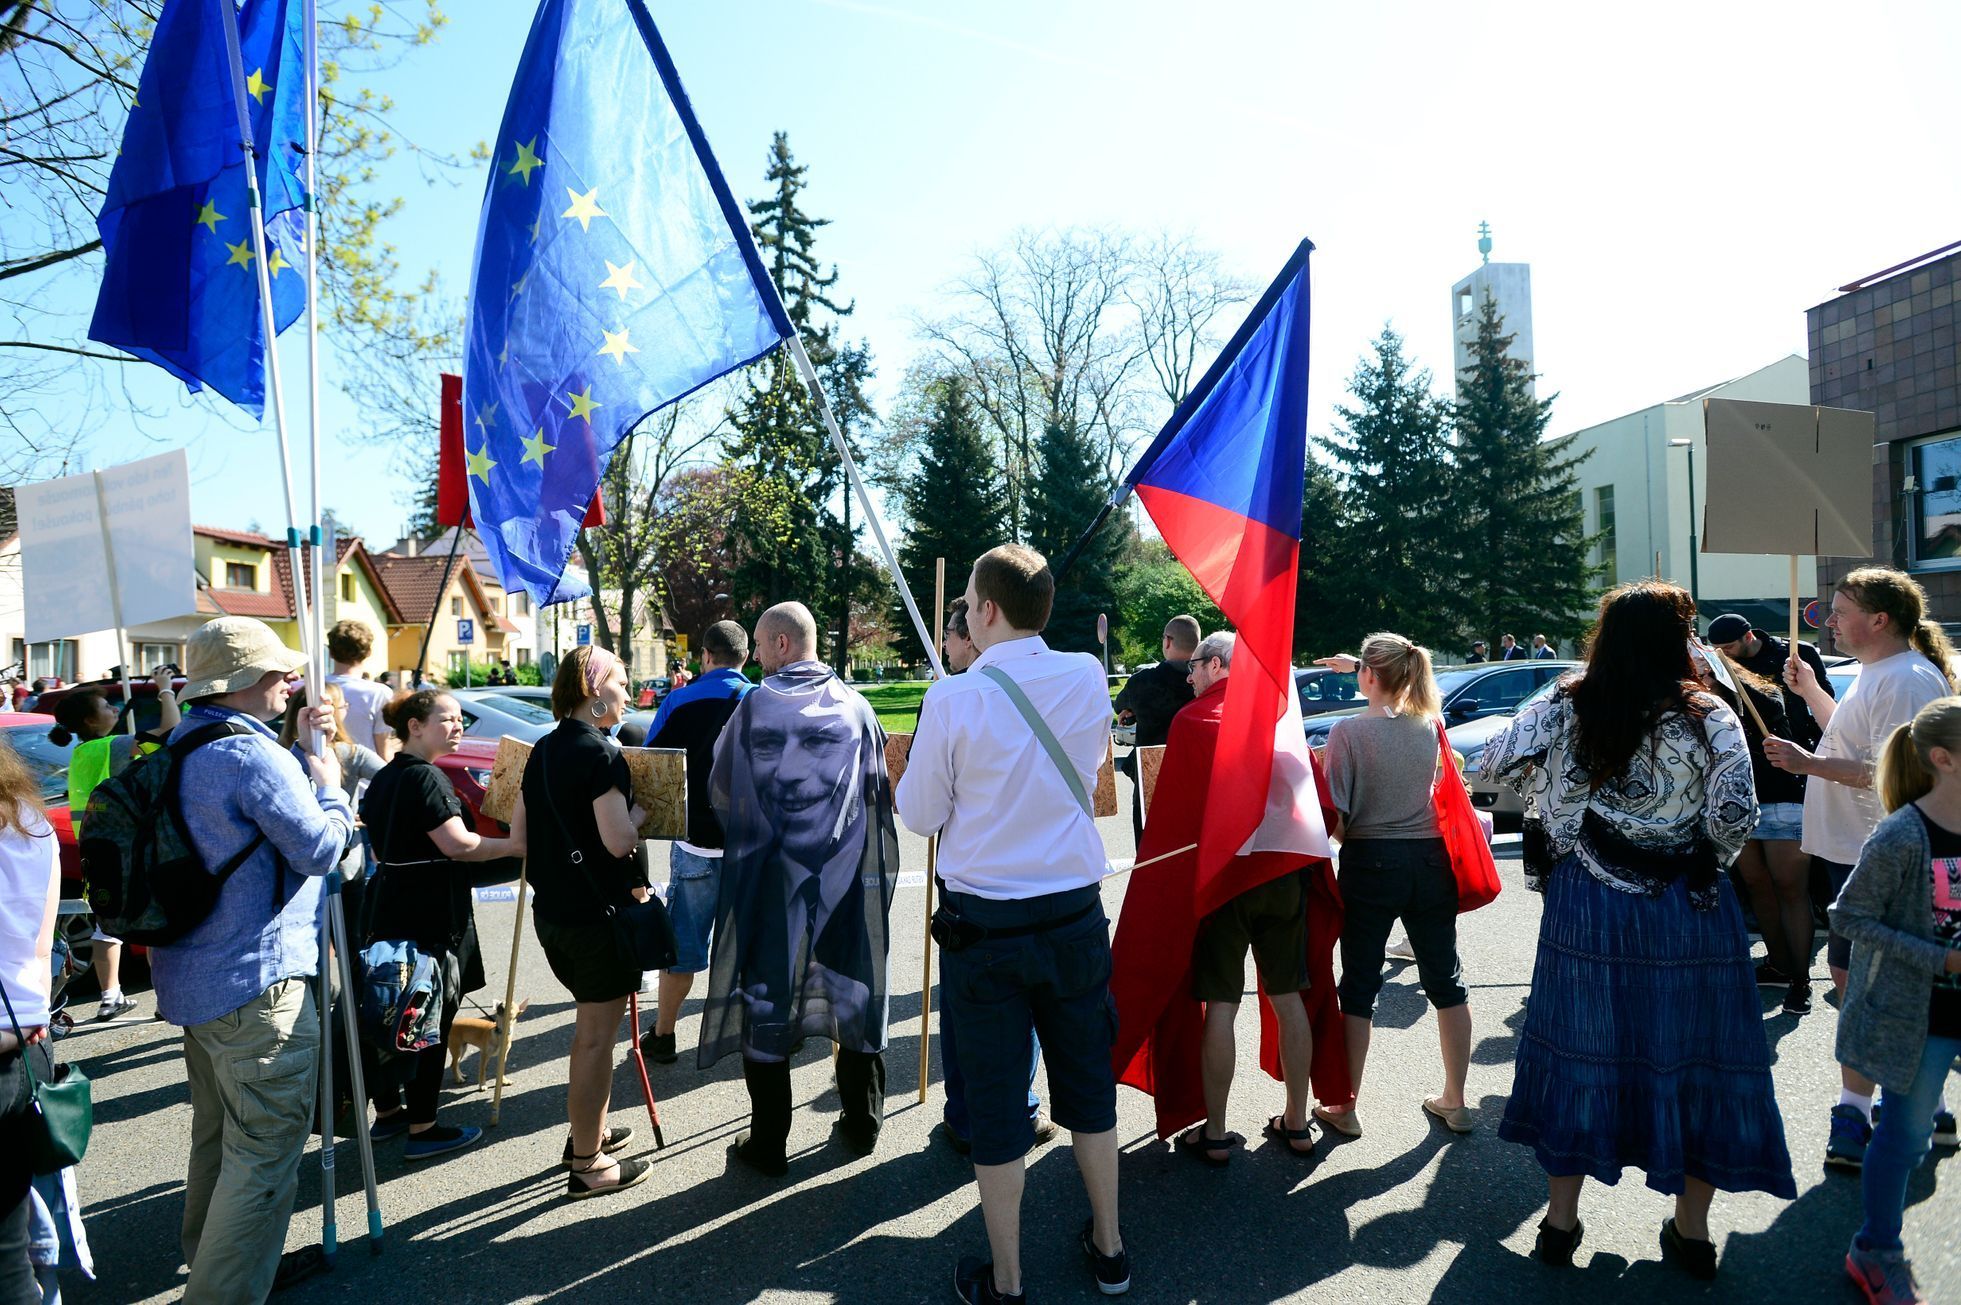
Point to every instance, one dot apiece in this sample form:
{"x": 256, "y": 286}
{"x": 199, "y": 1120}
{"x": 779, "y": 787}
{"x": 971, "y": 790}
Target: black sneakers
{"x": 1112, "y": 1271}
{"x": 973, "y": 1282}
{"x": 658, "y": 1047}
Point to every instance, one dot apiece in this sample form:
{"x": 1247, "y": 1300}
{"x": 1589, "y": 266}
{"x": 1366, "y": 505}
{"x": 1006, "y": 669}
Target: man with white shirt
{"x": 1001, "y": 772}
{"x": 349, "y": 643}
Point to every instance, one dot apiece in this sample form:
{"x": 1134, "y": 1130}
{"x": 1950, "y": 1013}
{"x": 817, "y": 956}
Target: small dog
{"x": 467, "y": 1031}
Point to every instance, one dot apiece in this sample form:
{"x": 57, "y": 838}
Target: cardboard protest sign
{"x": 1787, "y": 478}
{"x": 1149, "y": 761}
{"x": 898, "y": 747}
{"x": 132, "y": 522}
{"x": 660, "y": 786}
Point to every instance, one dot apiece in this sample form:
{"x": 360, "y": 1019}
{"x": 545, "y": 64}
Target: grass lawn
{"x": 897, "y": 704}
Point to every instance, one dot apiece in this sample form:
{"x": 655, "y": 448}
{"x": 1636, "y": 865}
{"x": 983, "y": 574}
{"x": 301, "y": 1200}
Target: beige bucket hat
{"x": 233, "y": 653}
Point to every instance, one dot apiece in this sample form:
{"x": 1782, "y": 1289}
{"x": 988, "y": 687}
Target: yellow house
{"x": 238, "y": 576}
{"x": 419, "y": 592}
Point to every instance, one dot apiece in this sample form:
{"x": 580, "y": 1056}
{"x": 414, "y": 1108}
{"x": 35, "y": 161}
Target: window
{"x": 347, "y": 586}
{"x": 149, "y": 656}
{"x": 1606, "y": 553}
{"x": 521, "y": 604}
{"x": 458, "y": 659}
{"x": 51, "y": 659}
{"x": 456, "y": 607}
{"x": 241, "y": 575}
{"x": 1465, "y": 305}
{"x": 1494, "y": 694}
{"x": 524, "y": 657}
{"x": 1935, "y": 502}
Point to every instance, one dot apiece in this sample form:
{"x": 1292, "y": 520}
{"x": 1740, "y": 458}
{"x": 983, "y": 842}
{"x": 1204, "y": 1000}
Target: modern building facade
{"x": 1510, "y": 286}
{"x": 1887, "y": 344}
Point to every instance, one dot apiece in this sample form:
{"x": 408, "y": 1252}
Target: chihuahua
{"x": 467, "y": 1031}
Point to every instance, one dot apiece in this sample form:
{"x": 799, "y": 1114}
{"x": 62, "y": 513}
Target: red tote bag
{"x": 1464, "y": 841}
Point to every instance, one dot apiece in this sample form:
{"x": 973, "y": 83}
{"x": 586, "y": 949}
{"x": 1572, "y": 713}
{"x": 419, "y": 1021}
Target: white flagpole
{"x": 317, "y": 672}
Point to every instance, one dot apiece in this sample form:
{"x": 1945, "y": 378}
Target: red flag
{"x": 452, "y": 466}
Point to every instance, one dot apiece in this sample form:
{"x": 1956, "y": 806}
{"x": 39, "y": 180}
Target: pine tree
{"x": 1394, "y": 535}
{"x": 1326, "y": 619}
{"x": 954, "y": 503}
{"x": 1517, "y": 500}
{"x": 1070, "y": 488}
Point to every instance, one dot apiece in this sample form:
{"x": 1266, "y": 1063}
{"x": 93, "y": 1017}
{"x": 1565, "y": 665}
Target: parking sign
{"x": 466, "y": 631}
{"x": 585, "y": 634}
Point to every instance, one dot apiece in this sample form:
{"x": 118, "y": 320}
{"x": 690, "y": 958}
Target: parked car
{"x": 1469, "y": 693}
{"x": 1323, "y": 689}
{"x": 653, "y": 690}
{"x": 491, "y": 713}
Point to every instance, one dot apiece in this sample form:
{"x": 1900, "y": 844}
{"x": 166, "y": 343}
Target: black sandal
{"x": 632, "y": 1172}
{"x": 614, "y": 1140}
{"x": 1278, "y": 1130}
{"x": 1216, "y": 1152}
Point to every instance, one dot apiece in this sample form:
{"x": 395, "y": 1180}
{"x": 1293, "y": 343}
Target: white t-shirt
{"x": 365, "y": 703}
{"x": 29, "y": 866}
{"x": 1837, "y": 817}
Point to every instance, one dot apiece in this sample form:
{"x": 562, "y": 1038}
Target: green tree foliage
{"x": 1394, "y": 534}
{"x": 1325, "y": 617}
{"x": 1517, "y": 500}
{"x": 954, "y": 503}
{"x": 1071, "y": 486}
{"x": 1153, "y": 587}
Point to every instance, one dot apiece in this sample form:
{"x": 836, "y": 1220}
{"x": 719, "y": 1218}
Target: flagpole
{"x": 317, "y": 674}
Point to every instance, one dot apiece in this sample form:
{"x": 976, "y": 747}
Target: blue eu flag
{"x": 614, "y": 274}
{"x": 179, "y": 287}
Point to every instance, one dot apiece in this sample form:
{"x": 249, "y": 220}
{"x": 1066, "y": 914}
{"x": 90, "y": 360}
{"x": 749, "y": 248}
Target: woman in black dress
{"x": 423, "y": 840}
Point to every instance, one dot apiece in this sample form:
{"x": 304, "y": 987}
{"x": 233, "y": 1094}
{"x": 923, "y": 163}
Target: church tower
{"x": 1510, "y": 285}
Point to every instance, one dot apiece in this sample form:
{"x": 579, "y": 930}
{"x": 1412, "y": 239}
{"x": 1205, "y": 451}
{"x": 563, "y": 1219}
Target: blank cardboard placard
{"x": 506, "y": 778}
{"x": 64, "y": 566}
{"x": 898, "y": 747}
{"x": 1787, "y": 478}
{"x": 660, "y": 786}
{"x": 1149, "y": 761}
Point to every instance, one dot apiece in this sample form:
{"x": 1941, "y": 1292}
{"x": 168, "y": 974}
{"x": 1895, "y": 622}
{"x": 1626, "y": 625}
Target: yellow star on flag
{"x": 209, "y": 216}
{"x": 535, "y": 447}
{"x": 518, "y": 288}
{"x": 277, "y": 263}
{"x": 241, "y": 254}
{"x": 480, "y": 463}
{"x": 582, "y": 404}
{"x": 617, "y": 346}
{"x": 535, "y": 224}
{"x": 504, "y": 355}
{"x": 258, "y": 85}
{"x": 620, "y": 278}
{"x": 527, "y": 161}
{"x": 486, "y": 417}
{"x": 584, "y": 207}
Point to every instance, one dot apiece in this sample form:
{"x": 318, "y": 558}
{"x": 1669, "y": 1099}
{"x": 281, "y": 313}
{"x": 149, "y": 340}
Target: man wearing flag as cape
{"x": 1236, "y": 805}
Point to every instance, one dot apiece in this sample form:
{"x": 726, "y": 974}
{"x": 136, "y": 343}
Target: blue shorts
{"x": 693, "y": 883}
{"x": 1001, "y": 992}
{"x": 1779, "y": 820}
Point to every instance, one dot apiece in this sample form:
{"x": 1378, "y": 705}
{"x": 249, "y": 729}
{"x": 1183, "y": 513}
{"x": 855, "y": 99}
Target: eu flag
{"x": 614, "y": 274}
{"x": 179, "y": 287}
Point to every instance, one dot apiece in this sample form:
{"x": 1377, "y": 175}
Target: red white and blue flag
{"x": 1223, "y": 483}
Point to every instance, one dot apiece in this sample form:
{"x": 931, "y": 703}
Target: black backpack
{"x": 146, "y": 882}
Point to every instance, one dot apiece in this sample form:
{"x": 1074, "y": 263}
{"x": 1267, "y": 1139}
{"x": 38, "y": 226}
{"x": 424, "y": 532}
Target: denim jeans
{"x": 1899, "y": 1140}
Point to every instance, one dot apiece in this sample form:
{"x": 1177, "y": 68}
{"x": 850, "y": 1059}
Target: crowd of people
{"x": 1655, "y": 775}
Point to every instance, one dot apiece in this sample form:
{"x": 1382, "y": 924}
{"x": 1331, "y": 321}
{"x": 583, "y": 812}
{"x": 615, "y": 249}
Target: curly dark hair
{"x": 1637, "y": 671}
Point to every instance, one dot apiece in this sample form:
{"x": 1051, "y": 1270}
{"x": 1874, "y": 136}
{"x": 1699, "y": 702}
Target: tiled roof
{"x": 245, "y": 537}
{"x": 244, "y": 602}
{"x": 415, "y": 584}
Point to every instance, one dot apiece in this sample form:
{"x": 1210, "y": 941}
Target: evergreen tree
{"x": 1525, "y": 548}
{"x": 1071, "y": 486}
{"x": 1394, "y": 537}
{"x": 1326, "y": 618}
{"x": 954, "y": 504}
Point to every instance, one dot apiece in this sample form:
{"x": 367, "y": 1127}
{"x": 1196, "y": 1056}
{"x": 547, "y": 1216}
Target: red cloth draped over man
{"x": 1237, "y": 803}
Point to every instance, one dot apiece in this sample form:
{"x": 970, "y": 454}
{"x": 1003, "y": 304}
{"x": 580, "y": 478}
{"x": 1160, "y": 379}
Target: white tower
{"x": 1510, "y": 286}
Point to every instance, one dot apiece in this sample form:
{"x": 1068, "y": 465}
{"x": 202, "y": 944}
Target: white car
{"x": 491, "y": 713}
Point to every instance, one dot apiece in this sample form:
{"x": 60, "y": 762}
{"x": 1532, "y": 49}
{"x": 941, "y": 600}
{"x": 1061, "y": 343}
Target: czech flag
{"x": 1223, "y": 483}
{"x": 452, "y": 471}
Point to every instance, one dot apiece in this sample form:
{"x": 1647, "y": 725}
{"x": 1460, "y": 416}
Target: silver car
{"x": 491, "y": 713}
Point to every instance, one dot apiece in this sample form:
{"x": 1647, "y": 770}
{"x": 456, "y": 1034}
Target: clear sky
{"x": 1684, "y": 179}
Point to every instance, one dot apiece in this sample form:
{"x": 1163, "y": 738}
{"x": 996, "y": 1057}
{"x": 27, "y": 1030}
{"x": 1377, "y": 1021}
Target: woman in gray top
{"x": 1382, "y": 771}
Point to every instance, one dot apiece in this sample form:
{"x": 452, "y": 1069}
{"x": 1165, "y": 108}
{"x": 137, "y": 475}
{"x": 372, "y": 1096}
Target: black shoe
{"x": 861, "y": 1135}
{"x": 615, "y": 1140}
{"x": 632, "y": 1173}
{"x": 1698, "y": 1258}
{"x": 1769, "y": 976}
{"x": 1556, "y": 1245}
{"x": 296, "y": 1267}
{"x": 1798, "y": 1000}
{"x": 658, "y": 1047}
{"x": 1112, "y": 1271}
{"x": 440, "y": 1140}
{"x": 973, "y": 1282}
{"x": 960, "y": 1145}
{"x": 769, "y": 1164}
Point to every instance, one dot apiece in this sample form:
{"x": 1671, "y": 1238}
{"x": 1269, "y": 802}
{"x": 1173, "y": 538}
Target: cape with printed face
{"x": 810, "y": 862}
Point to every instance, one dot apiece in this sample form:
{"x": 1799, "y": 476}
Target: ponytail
{"x": 1403, "y": 669}
{"x": 1905, "y": 772}
{"x": 1932, "y": 643}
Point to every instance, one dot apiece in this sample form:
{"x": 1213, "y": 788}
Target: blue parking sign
{"x": 466, "y": 631}
{"x": 585, "y": 634}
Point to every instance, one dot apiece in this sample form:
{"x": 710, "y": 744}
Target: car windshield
{"x": 1449, "y": 682}
{"x": 47, "y": 762}
{"x": 528, "y": 710}
{"x": 1325, "y": 686}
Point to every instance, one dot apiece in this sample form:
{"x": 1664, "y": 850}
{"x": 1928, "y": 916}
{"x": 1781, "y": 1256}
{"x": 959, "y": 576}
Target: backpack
{"x": 401, "y": 998}
{"x": 146, "y": 881}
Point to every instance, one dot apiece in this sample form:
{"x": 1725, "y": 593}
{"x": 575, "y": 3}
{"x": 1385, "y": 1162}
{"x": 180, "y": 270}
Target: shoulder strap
{"x": 1043, "y": 735}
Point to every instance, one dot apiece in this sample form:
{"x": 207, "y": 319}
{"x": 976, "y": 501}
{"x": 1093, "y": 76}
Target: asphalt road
{"x": 1406, "y": 1212}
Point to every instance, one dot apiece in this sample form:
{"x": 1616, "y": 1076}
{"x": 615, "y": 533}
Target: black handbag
{"x": 60, "y": 1110}
{"x": 643, "y": 931}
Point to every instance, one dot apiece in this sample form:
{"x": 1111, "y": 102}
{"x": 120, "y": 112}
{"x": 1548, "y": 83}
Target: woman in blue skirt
{"x": 1643, "y": 1043}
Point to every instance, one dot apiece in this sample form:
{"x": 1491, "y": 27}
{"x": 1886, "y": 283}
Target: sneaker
{"x": 1400, "y": 950}
{"x": 389, "y": 1126}
{"x": 1112, "y": 1271}
{"x": 650, "y": 983}
{"x": 1798, "y": 1000}
{"x": 770, "y": 1164}
{"x": 440, "y": 1140}
{"x": 1851, "y": 1134}
{"x": 1045, "y": 1129}
{"x": 658, "y": 1047}
{"x": 1945, "y": 1133}
{"x": 973, "y": 1282}
{"x": 1885, "y": 1277}
{"x": 115, "y": 1005}
{"x": 1769, "y": 976}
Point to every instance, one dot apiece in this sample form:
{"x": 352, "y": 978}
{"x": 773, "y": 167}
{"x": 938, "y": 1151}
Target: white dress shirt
{"x": 1009, "y": 826}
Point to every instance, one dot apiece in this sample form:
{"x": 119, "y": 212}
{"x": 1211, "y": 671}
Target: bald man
{"x": 809, "y": 863}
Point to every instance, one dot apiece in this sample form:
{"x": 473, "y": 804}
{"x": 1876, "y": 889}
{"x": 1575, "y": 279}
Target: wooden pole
{"x": 932, "y": 858}
{"x": 507, "y": 1026}
{"x": 1794, "y": 606}
{"x": 1743, "y": 695}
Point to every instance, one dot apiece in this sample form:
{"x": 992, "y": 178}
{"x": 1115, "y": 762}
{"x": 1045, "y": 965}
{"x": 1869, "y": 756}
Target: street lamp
{"x": 1689, "y": 445}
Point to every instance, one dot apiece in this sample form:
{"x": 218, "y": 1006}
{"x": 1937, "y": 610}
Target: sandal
{"x": 1277, "y": 1129}
{"x": 631, "y": 1172}
{"x": 1341, "y": 1121}
{"x": 613, "y": 1140}
{"x": 1216, "y": 1152}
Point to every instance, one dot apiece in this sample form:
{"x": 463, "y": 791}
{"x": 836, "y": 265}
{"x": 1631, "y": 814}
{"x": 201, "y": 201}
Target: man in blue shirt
{"x": 239, "y": 982}
{"x": 691, "y": 718}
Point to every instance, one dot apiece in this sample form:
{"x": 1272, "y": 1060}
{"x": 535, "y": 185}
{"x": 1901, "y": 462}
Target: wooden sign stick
{"x": 1743, "y": 695}
{"x": 1794, "y": 605}
{"x": 932, "y": 861}
{"x": 508, "y": 1025}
